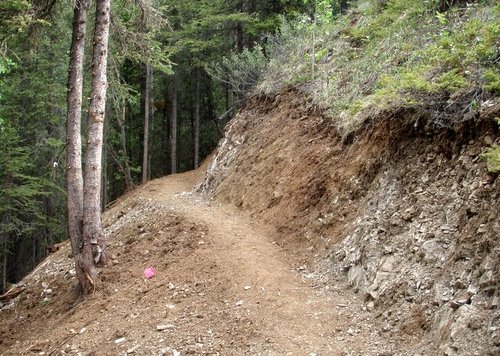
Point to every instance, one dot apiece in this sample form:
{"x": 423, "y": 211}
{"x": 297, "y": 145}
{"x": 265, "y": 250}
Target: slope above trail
{"x": 222, "y": 287}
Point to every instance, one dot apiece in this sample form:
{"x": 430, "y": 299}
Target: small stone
{"x": 239, "y": 303}
{"x": 247, "y": 287}
{"x": 388, "y": 264}
{"x": 459, "y": 284}
{"x": 163, "y": 327}
{"x": 120, "y": 340}
{"x": 472, "y": 290}
{"x": 488, "y": 140}
{"x": 163, "y": 351}
{"x": 460, "y": 299}
{"x": 133, "y": 349}
{"x": 386, "y": 327}
{"x": 82, "y": 330}
{"x": 495, "y": 303}
{"x": 487, "y": 279}
{"x": 481, "y": 229}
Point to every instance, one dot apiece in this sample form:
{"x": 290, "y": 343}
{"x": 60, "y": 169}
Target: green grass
{"x": 385, "y": 55}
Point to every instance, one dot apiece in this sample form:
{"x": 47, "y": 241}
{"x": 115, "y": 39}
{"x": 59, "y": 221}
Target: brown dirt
{"x": 223, "y": 287}
{"x": 403, "y": 209}
{"x": 381, "y": 243}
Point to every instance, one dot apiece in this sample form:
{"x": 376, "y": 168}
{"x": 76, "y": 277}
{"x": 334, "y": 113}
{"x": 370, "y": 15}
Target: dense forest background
{"x": 179, "y": 70}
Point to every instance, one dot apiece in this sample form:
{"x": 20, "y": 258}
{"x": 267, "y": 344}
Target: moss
{"x": 492, "y": 156}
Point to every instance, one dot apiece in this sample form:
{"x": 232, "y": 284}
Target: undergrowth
{"x": 385, "y": 55}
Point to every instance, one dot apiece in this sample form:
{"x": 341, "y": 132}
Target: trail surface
{"x": 222, "y": 287}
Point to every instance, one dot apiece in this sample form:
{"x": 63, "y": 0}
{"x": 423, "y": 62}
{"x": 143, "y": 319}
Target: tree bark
{"x": 94, "y": 243}
{"x": 147, "y": 100}
{"x": 4, "y": 266}
{"x": 74, "y": 174}
{"x": 126, "y": 166}
{"x": 173, "y": 127}
{"x": 197, "y": 121}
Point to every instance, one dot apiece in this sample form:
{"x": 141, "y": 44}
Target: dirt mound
{"x": 408, "y": 214}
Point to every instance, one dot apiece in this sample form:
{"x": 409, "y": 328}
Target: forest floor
{"x": 223, "y": 286}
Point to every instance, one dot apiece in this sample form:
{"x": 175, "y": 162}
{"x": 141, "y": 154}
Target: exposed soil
{"x": 302, "y": 243}
{"x": 403, "y": 210}
{"x": 223, "y": 286}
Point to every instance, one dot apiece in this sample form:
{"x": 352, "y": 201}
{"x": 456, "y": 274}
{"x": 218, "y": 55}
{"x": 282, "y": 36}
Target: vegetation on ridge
{"x": 387, "y": 55}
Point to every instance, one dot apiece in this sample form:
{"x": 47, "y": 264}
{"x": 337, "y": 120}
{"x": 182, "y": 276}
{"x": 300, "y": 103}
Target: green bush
{"x": 492, "y": 156}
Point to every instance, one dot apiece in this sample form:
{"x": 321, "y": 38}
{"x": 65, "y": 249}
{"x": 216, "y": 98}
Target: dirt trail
{"x": 283, "y": 306}
{"x": 223, "y": 288}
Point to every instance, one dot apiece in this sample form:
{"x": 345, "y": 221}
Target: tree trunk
{"x": 4, "y": 266}
{"x": 94, "y": 243}
{"x": 147, "y": 100}
{"x": 173, "y": 128}
{"x": 126, "y": 166}
{"x": 104, "y": 175}
{"x": 73, "y": 135}
{"x": 197, "y": 121}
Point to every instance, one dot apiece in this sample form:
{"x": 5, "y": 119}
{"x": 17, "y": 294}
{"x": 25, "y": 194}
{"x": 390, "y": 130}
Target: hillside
{"x": 352, "y": 206}
{"x": 384, "y": 245}
{"x": 223, "y": 286}
{"x": 408, "y": 217}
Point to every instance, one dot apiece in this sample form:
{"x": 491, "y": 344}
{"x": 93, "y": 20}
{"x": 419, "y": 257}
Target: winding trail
{"x": 291, "y": 316}
{"x": 223, "y": 287}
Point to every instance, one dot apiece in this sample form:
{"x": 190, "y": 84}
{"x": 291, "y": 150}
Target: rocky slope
{"x": 406, "y": 212}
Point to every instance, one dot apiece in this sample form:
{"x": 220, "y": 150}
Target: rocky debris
{"x": 440, "y": 251}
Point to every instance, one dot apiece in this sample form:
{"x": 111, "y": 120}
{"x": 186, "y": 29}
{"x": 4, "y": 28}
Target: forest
{"x": 173, "y": 84}
{"x": 178, "y": 71}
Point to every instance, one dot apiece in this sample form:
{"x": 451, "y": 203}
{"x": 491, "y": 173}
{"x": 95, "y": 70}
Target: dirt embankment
{"x": 405, "y": 212}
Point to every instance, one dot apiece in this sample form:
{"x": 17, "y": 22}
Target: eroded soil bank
{"x": 407, "y": 213}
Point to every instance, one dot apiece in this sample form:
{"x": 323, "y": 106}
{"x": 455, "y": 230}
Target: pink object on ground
{"x": 149, "y": 273}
